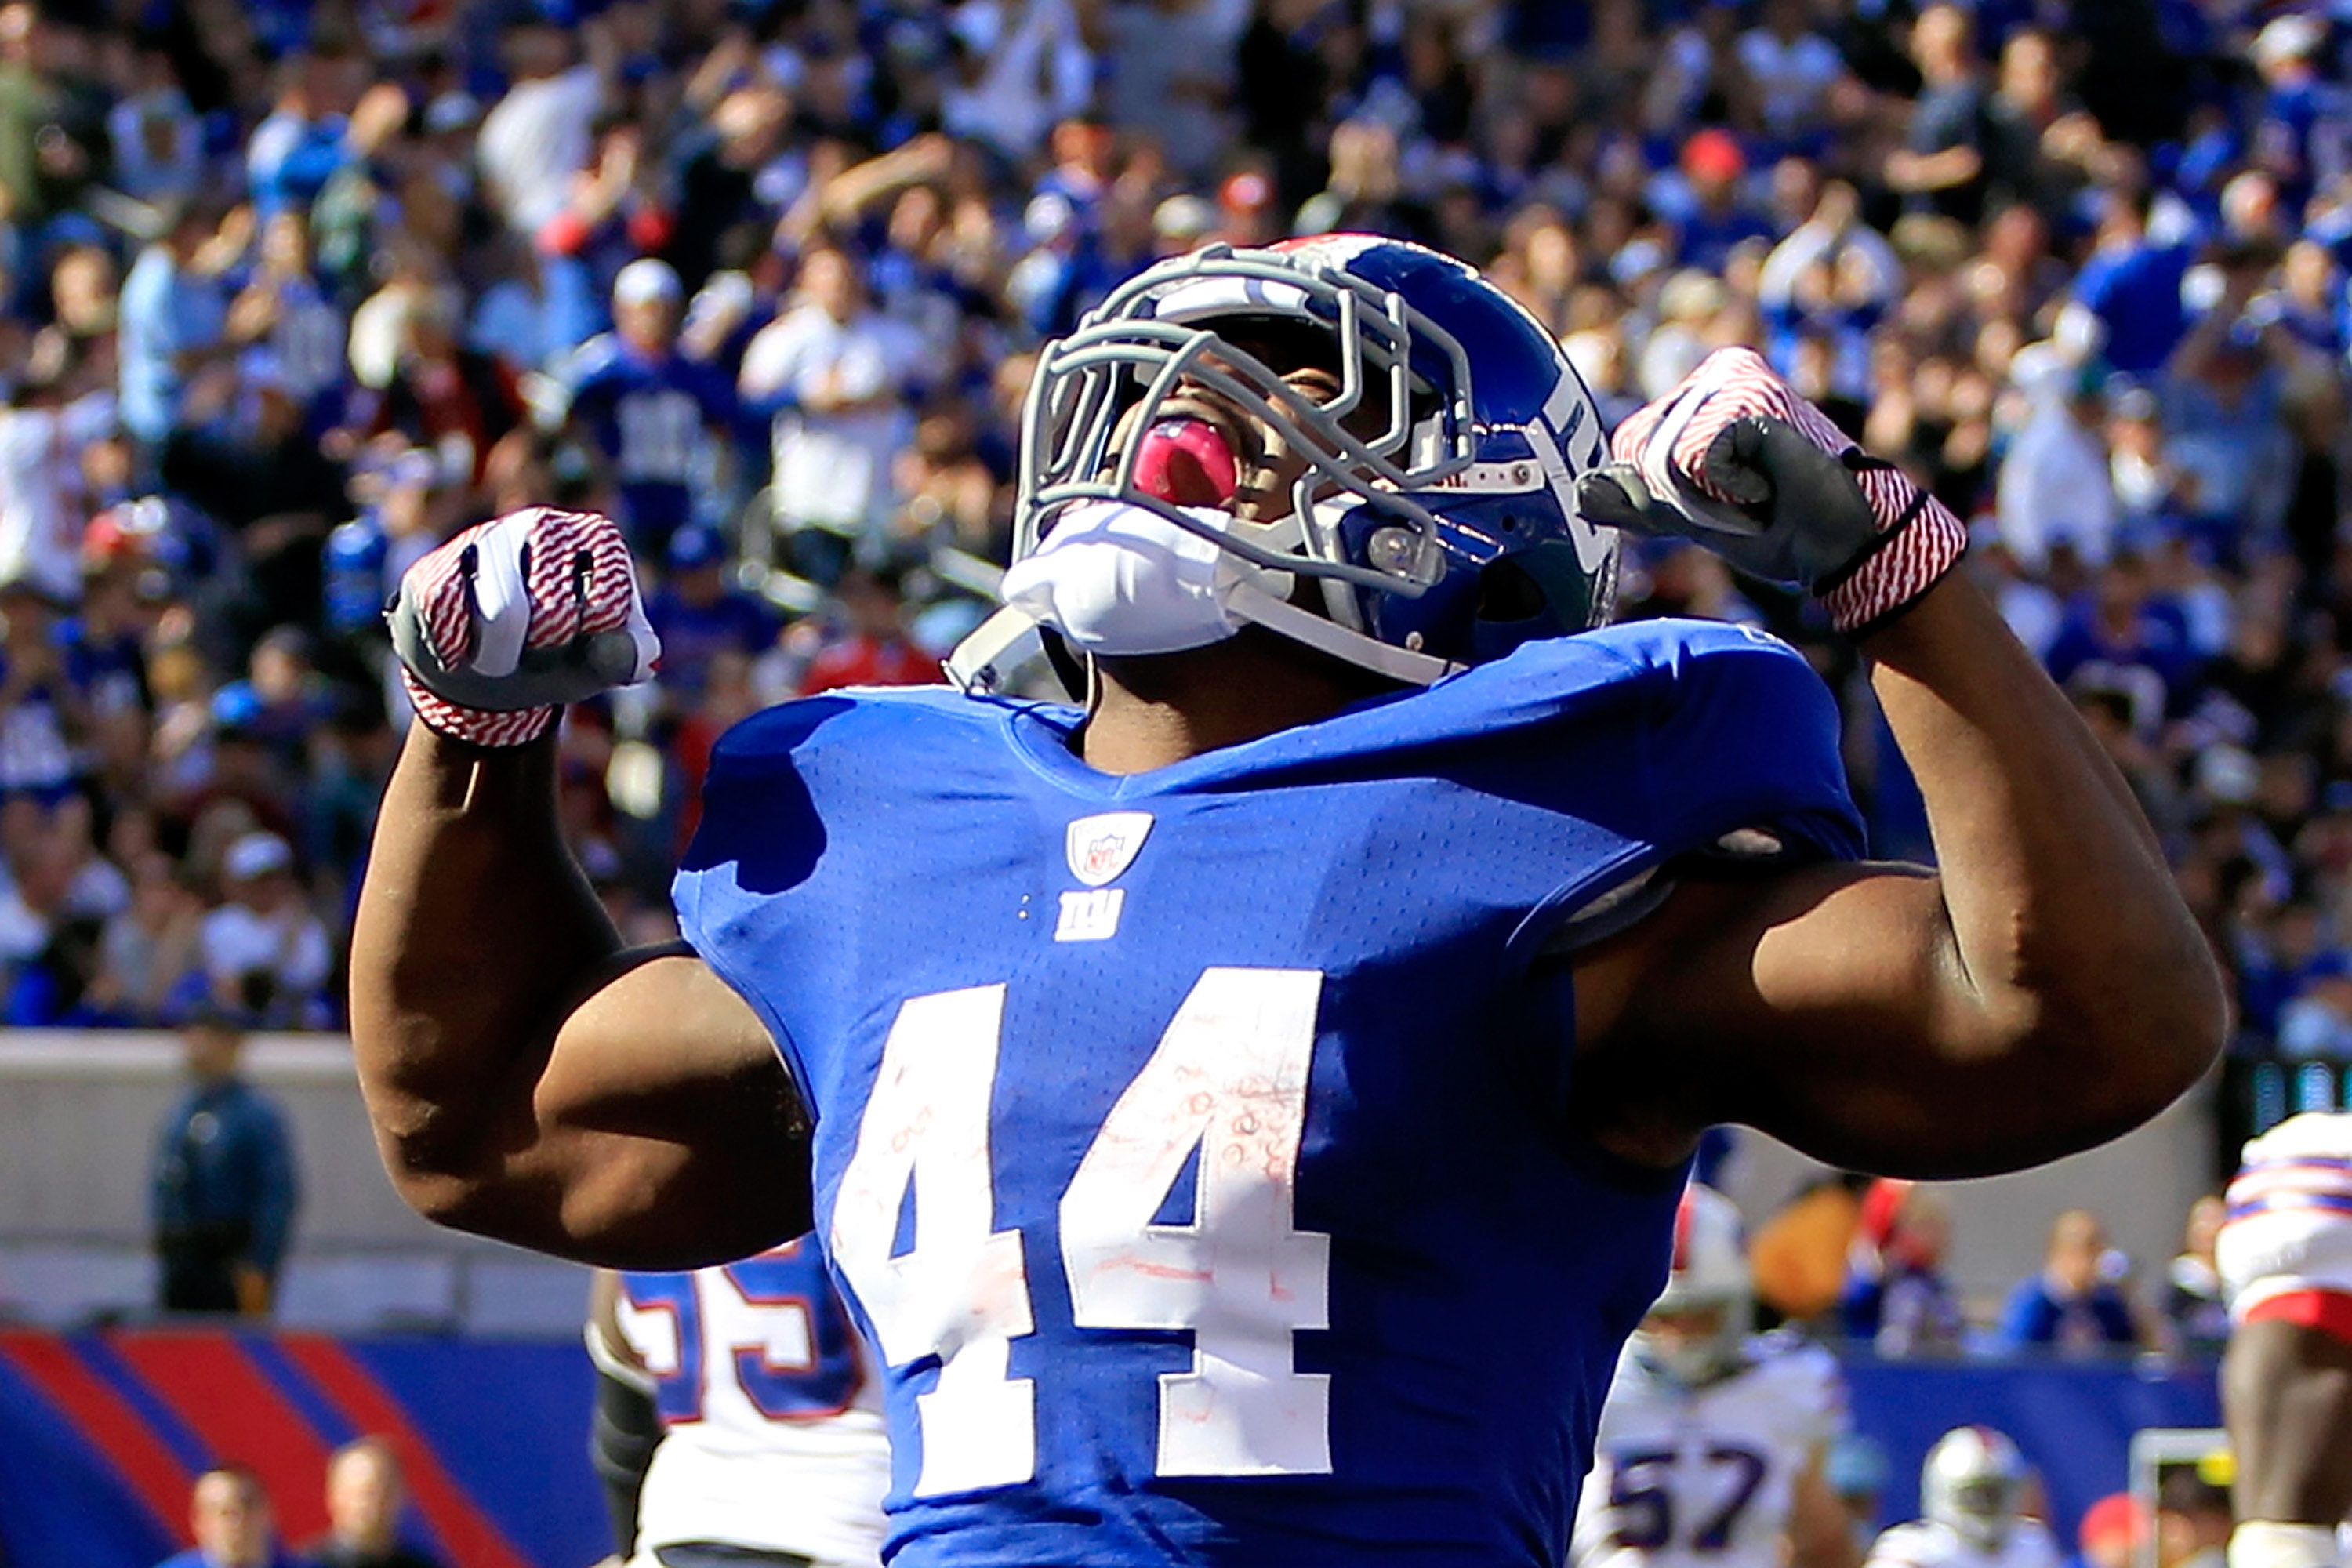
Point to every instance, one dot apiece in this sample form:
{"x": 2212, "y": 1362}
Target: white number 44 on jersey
{"x": 1228, "y": 1078}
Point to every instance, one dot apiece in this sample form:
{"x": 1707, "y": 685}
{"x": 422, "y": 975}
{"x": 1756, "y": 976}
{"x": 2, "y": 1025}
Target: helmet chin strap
{"x": 1284, "y": 618}
{"x": 990, "y": 652}
{"x": 984, "y": 659}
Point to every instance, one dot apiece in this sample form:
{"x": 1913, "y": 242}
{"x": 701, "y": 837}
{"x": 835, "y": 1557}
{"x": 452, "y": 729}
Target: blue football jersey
{"x": 1193, "y": 1146}
{"x": 648, "y": 416}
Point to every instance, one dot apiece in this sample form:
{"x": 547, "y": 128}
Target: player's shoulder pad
{"x": 1662, "y": 668}
{"x": 1637, "y": 1398}
{"x": 1632, "y": 1379}
{"x": 866, "y": 715}
{"x": 1800, "y": 1373}
{"x": 1917, "y": 1544}
{"x": 1659, "y": 652}
{"x": 1674, "y": 640}
{"x": 2033, "y": 1544}
{"x": 785, "y": 782}
{"x": 2323, "y": 1134}
{"x": 1737, "y": 727}
{"x": 1791, "y": 1355}
{"x": 1698, "y": 667}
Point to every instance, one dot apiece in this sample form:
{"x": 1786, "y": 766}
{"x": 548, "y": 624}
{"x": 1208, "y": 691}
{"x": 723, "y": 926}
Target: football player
{"x": 1714, "y": 1442}
{"x": 772, "y": 1449}
{"x": 2286, "y": 1259}
{"x": 1971, "y": 1497}
{"x": 1247, "y": 1112}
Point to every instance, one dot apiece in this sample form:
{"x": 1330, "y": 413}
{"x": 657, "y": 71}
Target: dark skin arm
{"x": 528, "y": 1078}
{"x": 2287, "y": 1392}
{"x": 2046, "y": 990}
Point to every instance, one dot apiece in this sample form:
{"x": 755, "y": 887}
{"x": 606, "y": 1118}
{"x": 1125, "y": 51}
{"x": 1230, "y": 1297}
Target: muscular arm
{"x": 531, "y": 1080}
{"x": 2043, "y": 991}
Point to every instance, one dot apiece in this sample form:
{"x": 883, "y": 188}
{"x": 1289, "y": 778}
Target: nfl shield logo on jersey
{"x": 1098, "y": 848}
{"x": 1101, "y": 846}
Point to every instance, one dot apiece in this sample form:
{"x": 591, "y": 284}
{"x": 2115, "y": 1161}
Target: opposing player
{"x": 1248, "y": 1112}
{"x": 1971, "y": 1502}
{"x": 1714, "y": 1441}
{"x": 772, "y": 1449}
{"x": 2286, "y": 1259}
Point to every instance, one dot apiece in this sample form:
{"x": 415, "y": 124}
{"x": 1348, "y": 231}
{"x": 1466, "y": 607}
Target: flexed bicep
{"x": 528, "y": 1077}
{"x": 1832, "y": 1007}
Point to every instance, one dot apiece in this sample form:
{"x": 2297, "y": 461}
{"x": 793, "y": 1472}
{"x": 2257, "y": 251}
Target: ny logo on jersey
{"x": 1100, "y": 846}
{"x": 1090, "y": 914}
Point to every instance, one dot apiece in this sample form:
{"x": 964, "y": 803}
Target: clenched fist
{"x": 507, "y": 622}
{"x": 1734, "y": 459}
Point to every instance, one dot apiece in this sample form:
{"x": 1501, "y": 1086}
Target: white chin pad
{"x": 1116, "y": 578}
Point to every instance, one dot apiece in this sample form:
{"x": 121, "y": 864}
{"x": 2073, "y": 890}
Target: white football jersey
{"x": 1705, "y": 1478}
{"x": 770, "y": 1407}
{"x": 2290, "y": 1212}
{"x": 1927, "y": 1544}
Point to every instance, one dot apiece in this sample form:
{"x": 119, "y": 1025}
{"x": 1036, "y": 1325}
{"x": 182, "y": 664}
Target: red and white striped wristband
{"x": 476, "y": 726}
{"x": 1922, "y": 542}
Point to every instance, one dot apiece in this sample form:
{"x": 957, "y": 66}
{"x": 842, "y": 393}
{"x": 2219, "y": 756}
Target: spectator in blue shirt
{"x": 1716, "y": 219}
{"x": 2316, "y": 1025}
{"x": 303, "y": 144}
{"x": 2308, "y": 304}
{"x": 2196, "y": 1302}
{"x": 224, "y": 1190}
{"x": 2077, "y": 1304}
{"x": 1901, "y": 1301}
{"x": 697, "y": 616}
{"x": 2127, "y": 299}
{"x": 170, "y": 324}
{"x": 1085, "y": 149}
{"x": 229, "y": 1515}
{"x": 2223, "y": 400}
{"x": 2122, "y": 636}
{"x": 2299, "y": 139}
{"x": 282, "y": 699}
{"x": 644, "y": 406}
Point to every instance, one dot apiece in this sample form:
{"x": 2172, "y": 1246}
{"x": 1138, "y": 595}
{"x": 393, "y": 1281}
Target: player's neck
{"x": 1160, "y": 710}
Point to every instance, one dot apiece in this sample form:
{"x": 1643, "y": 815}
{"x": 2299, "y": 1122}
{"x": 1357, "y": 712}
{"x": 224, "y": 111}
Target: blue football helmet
{"x": 1436, "y": 509}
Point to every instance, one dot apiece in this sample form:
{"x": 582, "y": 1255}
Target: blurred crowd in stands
{"x": 292, "y": 290}
{"x": 1866, "y": 1261}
